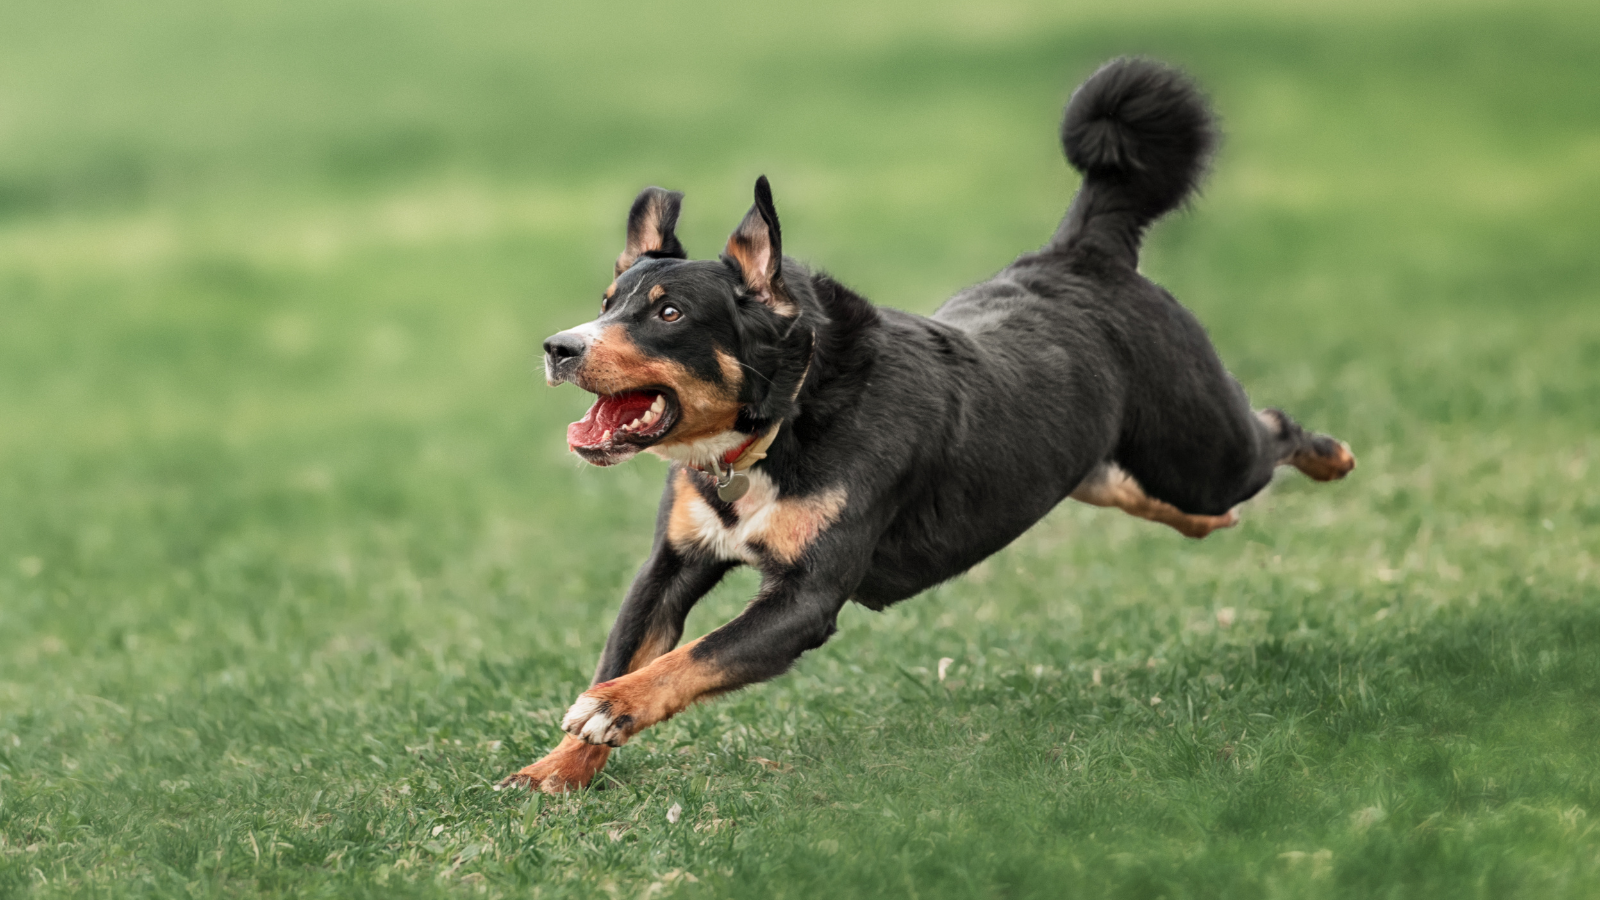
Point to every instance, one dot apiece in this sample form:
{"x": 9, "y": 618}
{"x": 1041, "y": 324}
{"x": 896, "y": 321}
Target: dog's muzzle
{"x": 563, "y": 353}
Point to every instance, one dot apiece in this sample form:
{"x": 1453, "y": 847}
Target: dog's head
{"x": 688, "y": 358}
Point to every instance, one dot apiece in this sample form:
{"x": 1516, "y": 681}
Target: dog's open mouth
{"x": 619, "y": 425}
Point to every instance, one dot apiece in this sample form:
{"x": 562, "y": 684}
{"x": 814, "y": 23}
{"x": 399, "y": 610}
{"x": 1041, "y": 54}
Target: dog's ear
{"x": 650, "y": 224}
{"x": 756, "y": 247}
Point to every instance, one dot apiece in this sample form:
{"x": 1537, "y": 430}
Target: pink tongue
{"x": 608, "y": 414}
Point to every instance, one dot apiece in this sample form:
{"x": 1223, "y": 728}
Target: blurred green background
{"x": 294, "y": 564}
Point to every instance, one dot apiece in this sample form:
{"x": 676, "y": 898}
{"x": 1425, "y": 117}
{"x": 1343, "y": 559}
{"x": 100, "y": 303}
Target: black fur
{"x": 1142, "y": 136}
{"x": 654, "y": 210}
{"x": 951, "y": 435}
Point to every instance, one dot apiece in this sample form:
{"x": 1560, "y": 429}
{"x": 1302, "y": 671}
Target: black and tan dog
{"x": 856, "y": 453}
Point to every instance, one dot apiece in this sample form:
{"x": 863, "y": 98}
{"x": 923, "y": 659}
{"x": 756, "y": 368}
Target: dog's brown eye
{"x": 670, "y": 313}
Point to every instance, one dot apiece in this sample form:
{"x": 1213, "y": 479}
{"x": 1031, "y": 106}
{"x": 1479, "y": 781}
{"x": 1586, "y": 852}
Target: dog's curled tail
{"x": 1141, "y": 134}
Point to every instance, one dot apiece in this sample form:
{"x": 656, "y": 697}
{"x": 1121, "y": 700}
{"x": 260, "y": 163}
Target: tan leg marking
{"x": 575, "y": 762}
{"x": 655, "y": 644}
{"x": 614, "y": 711}
{"x": 1109, "y": 485}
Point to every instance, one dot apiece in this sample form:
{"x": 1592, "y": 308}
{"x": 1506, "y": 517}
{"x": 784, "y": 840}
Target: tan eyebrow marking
{"x": 657, "y": 292}
{"x": 611, "y": 291}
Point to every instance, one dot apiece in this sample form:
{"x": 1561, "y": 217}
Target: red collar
{"x": 732, "y": 456}
{"x": 728, "y": 459}
{"x": 764, "y": 439}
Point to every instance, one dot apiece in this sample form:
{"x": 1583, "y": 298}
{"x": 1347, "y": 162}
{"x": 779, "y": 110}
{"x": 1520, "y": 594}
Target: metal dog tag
{"x": 733, "y": 488}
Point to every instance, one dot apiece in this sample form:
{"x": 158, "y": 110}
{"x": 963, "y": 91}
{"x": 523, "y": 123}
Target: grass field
{"x": 294, "y": 565}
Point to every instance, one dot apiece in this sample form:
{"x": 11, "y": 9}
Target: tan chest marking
{"x": 783, "y": 528}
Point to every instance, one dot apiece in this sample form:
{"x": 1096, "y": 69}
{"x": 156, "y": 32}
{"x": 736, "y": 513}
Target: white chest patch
{"x": 766, "y": 526}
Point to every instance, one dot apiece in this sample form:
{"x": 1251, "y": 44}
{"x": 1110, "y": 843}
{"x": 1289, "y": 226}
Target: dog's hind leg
{"x": 1319, "y": 456}
{"x": 1109, "y": 485}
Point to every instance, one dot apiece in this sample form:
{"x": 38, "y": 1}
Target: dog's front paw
{"x": 611, "y": 712}
{"x": 596, "y": 718}
{"x": 569, "y": 767}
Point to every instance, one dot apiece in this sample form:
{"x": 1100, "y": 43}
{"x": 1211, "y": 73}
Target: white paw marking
{"x": 579, "y": 713}
{"x": 589, "y": 720}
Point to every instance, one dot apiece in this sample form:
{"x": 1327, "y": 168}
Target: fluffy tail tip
{"x": 1142, "y": 130}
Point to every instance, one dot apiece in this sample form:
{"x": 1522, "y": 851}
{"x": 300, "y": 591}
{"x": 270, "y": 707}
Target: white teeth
{"x": 659, "y": 405}
{"x": 605, "y": 437}
{"x": 648, "y": 417}
{"x": 631, "y": 425}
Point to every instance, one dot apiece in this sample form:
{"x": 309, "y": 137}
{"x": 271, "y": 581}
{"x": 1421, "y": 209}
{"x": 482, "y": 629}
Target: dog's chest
{"x": 758, "y": 528}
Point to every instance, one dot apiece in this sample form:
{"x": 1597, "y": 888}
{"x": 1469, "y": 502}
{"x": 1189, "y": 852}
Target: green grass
{"x": 294, "y": 566}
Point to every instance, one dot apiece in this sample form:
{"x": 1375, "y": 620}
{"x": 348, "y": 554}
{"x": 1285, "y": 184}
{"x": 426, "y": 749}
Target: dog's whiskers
{"x": 752, "y": 369}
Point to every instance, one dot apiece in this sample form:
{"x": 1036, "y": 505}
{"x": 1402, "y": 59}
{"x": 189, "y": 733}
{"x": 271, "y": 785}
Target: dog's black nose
{"x": 564, "y": 346}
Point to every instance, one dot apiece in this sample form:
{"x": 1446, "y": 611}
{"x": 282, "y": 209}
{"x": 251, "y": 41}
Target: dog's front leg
{"x": 794, "y": 612}
{"x": 648, "y": 625}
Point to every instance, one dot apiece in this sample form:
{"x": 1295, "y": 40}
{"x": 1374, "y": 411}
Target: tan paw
{"x": 569, "y": 767}
{"x": 1332, "y": 463}
{"x": 1200, "y": 526}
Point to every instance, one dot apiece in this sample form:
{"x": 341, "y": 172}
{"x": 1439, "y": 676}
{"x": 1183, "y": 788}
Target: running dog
{"x": 851, "y": 452}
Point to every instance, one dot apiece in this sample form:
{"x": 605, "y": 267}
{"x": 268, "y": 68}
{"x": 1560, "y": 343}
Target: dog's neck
{"x": 839, "y": 357}
{"x": 751, "y": 451}
{"x": 727, "y": 469}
